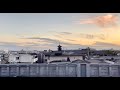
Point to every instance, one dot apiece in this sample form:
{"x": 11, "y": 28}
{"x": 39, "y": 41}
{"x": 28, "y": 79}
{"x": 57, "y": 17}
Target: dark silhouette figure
{"x": 83, "y": 57}
{"x": 68, "y": 59}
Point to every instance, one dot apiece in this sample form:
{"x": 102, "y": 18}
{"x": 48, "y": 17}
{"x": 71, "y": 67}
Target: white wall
{"x": 22, "y": 58}
{"x": 12, "y": 58}
{"x": 26, "y": 58}
{"x": 72, "y": 58}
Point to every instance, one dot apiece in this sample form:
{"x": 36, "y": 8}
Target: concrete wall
{"x": 60, "y": 70}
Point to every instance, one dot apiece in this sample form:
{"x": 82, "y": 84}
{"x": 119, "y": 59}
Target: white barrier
{"x": 60, "y": 70}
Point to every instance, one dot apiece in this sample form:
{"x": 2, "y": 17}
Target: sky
{"x": 44, "y": 31}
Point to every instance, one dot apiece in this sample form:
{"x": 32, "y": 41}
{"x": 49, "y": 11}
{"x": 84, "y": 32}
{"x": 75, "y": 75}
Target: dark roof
{"x": 33, "y": 53}
{"x": 70, "y": 52}
{"x": 58, "y": 61}
{"x": 52, "y": 53}
{"x": 76, "y": 52}
{"x": 80, "y": 61}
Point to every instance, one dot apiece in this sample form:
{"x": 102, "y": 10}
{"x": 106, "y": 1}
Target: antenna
{"x": 59, "y": 42}
{"x": 88, "y": 53}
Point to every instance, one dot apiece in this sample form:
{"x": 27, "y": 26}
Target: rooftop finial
{"x": 59, "y": 47}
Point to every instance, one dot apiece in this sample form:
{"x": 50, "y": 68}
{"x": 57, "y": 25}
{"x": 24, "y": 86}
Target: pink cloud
{"x": 102, "y": 21}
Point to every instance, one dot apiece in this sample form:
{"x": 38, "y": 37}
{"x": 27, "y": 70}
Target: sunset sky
{"x": 43, "y": 31}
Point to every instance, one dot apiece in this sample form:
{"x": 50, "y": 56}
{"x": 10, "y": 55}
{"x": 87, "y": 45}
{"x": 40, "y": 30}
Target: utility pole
{"x": 88, "y": 53}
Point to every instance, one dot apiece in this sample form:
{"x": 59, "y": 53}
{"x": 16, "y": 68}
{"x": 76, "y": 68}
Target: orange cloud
{"x": 102, "y": 21}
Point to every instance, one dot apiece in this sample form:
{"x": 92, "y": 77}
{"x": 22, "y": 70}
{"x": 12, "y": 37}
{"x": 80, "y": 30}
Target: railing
{"x": 60, "y": 70}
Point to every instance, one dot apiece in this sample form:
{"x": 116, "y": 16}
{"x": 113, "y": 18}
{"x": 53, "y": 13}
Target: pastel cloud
{"x": 93, "y": 36}
{"x": 65, "y": 33}
{"x": 102, "y": 21}
{"x": 53, "y": 41}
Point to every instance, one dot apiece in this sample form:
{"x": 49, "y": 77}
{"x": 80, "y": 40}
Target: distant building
{"x": 64, "y": 55}
{"x": 21, "y": 58}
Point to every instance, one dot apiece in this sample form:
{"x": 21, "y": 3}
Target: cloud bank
{"x": 92, "y": 36}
